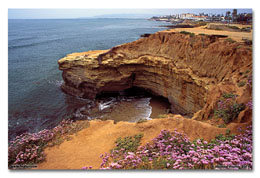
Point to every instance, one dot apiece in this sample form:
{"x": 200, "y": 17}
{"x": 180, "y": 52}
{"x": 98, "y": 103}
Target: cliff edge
{"x": 191, "y": 71}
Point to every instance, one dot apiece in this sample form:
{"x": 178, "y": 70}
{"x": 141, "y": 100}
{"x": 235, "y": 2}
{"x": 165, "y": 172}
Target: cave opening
{"x": 160, "y": 106}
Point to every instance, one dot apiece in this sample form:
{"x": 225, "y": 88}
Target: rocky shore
{"x": 206, "y": 78}
{"x": 192, "y": 72}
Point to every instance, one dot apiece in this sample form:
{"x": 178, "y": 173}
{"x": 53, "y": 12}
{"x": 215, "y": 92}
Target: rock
{"x": 182, "y": 68}
{"x": 145, "y": 35}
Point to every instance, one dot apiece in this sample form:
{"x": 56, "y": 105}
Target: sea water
{"x": 35, "y": 101}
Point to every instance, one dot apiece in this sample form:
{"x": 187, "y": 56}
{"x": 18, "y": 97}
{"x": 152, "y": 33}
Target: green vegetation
{"x": 188, "y": 33}
{"x": 230, "y": 40}
{"x": 246, "y": 29}
{"x": 28, "y": 148}
{"x": 202, "y": 23}
{"x": 248, "y": 42}
{"x": 234, "y": 27}
{"x": 142, "y": 120}
{"x": 162, "y": 116}
{"x": 247, "y": 71}
{"x": 129, "y": 143}
{"x": 228, "y": 132}
{"x": 192, "y": 34}
{"x": 241, "y": 84}
{"x": 217, "y": 28}
{"x": 174, "y": 150}
{"x": 227, "y": 107}
{"x": 238, "y": 47}
{"x": 222, "y": 126}
{"x": 229, "y": 95}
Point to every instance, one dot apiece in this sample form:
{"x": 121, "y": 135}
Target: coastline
{"x": 86, "y": 145}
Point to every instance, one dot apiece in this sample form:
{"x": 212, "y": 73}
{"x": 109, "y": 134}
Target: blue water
{"x": 35, "y": 100}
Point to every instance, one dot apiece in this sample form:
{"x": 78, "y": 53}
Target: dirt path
{"x": 198, "y": 30}
{"x": 87, "y": 145}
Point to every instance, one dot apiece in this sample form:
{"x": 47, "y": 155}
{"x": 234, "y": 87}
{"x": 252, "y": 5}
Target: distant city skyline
{"x": 107, "y": 13}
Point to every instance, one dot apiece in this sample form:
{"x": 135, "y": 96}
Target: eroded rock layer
{"x": 183, "y": 68}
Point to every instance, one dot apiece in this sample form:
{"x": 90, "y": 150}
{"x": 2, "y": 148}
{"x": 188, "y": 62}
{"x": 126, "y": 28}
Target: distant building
{"x": 199, "y": 17}
{"x": 234, "y": 15}
{"x": 227, "y": 18}
{"x": 187, "y": 16}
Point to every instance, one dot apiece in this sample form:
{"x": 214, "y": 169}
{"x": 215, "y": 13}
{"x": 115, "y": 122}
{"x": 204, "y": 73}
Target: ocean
{"x": 35, "y": 101}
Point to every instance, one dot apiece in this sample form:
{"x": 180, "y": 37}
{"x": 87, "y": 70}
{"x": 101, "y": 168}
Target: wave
{"x": 106, "y": 104}
{"x": 22, "y": 38}
{"x": 144, "y": 105}
{"x": 34, "y": 44}
{"x": 56, "y": 83}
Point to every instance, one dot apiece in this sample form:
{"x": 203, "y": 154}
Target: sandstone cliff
{"x": 191, "y": 71}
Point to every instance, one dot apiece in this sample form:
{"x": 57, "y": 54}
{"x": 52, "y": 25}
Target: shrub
{"x": 247, "y": 71}
{"x": 249, "y": 104}
{"x": 230, "y": 40}
{"x": 234, "y": 27}
{"x": 246, "y": 29}
{"x": 162, "y": 116}
{"x": 202, "y": 23}
{"x": 184, "y": 32}
{"x": 229, "y": 95}
{"x": 241, "y": 84}
{"x": 174, "y": 150}
{"x": 227, "y": 107}
{"x": 28, "y": 148}
{"x": 188, "y": 33}
{"x": 192, "y": 34}
{"x": 238, "y": 47}
{"x": 249, "y": 81}
{"x": 248, "y": 42}
{"x": 218, "y": 28}
{"x": 129, "y": 143}
{"x": 222, "y": 126}
{"x": 142, "y": 120}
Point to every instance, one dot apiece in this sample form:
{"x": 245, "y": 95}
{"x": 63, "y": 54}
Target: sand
{"x": 88, "y": 144}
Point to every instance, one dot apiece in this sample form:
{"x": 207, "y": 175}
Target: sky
{"x": 90, "y": 13}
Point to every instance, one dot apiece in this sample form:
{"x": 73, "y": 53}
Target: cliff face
{"x": 177, "y": 66}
